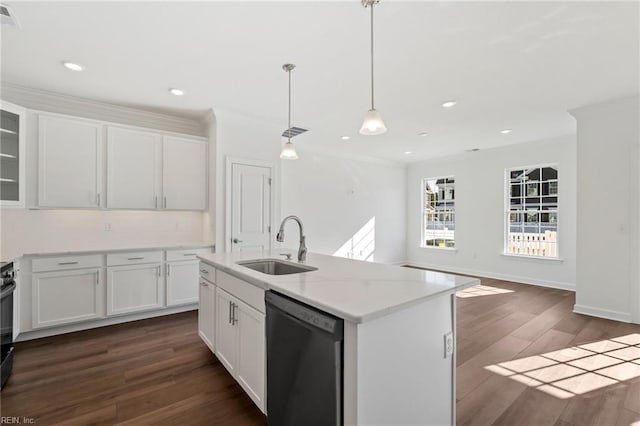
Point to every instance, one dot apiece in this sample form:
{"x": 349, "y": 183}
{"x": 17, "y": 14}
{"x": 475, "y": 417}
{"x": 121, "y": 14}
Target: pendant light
{"x": 372, "y": 124}
{"x": 288, "y": 150}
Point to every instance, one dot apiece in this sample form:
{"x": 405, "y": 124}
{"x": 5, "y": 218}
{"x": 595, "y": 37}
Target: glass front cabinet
{"x": 12, "y": 155}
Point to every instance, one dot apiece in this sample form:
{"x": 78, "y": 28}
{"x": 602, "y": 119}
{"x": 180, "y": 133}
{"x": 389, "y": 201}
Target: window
{"x": 439, "y": 222}
{"x": 532, "y": 216}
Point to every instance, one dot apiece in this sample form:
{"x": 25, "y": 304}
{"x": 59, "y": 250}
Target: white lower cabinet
{"x": 226, "y": 335}
{"x": 133, "y": 288}
{"x": 182, "y": 282}
{"x": 240, "y": 343}
{"x": 207, "y": 313}
{"x": 67, "y": 296}
{"x": 250, "y": 360}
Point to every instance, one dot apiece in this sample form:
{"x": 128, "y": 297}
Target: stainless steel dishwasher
{"x": 304, "y": 364}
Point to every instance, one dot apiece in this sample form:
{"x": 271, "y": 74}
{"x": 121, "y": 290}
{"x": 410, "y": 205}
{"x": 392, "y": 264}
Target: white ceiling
{"x": 518, "y": 65}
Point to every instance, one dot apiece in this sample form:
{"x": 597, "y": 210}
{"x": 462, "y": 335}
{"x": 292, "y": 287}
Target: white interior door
{"x": 250, "y": 207}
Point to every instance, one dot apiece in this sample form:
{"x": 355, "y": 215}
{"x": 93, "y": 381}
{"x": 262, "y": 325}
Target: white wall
{"x": 35, "y": 231}
{"x": 246, "y": 138}
{"x": 337, "y": 197}
{"x": 480, "y": 213}
{"x": 608, "y": 193}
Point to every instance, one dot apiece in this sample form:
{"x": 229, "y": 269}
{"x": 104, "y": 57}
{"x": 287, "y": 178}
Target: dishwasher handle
{"x": 306, "y": 314}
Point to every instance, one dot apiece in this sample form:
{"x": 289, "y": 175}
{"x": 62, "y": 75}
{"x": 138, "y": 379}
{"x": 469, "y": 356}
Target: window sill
{"x": 534, "y": 258}
{"x": 451, "y": 250}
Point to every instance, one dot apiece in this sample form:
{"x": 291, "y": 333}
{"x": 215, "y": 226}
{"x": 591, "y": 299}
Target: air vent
{"x": 293, "y": 131}
{"x": 7, "y": 16}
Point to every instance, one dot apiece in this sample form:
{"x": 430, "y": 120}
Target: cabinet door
{"x": 207, "y": 313}
{"x": 133, "y": 169}
{"x": 64, "y": 297}
{"x": 70, "y": 162}
{"x": 226, "y": 336}
{"x": 250, "y": 326}
{"x": 184, "y": 173}
{"x": 12, "y": 155}
{"x": 182, "y": 282}
{"x": 134, "y": 288}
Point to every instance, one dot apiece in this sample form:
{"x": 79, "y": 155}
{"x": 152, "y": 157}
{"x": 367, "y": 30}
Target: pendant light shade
{"x": 372, "y": 124}
{"x": 288, "y": 150}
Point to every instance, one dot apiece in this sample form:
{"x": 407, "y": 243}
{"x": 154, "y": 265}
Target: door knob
{"x": 236, "y": 241}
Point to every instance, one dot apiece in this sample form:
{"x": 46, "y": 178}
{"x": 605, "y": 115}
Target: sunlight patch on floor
{"x": 577, "y": 370}
{"x": 482, "y": 290}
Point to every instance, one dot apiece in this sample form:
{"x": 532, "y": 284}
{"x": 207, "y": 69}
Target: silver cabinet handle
{"x": 97, "y": 278}
{"x": 204, "y": 271}
{"x": 67, "y": 263}
{"x": 236, "y": 241}
{"x": 189, "y": 254}
{"x": 203, "y": 284}
{"x": 98, "y": 199}
{"x": 135, "y": 258}
{"x": 156, "y": 201}
{"x": 168, "y": 269}
{"x": 233, "y": 315}
{"x": 158, "y": 270}
{"x": 230, "y": 312}
{"x": 165, "y": 202}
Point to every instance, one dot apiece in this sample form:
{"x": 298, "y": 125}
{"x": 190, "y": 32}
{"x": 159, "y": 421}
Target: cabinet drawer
{"x": 244, "y": 291}
{"x": 208, "y": 272}
{"x": 186, "y": 254}
{"x": 66, "y": 262}
{"x": 133, "y": 258}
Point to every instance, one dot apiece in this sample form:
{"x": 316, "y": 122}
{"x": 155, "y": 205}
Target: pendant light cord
{"x": 289, "y": 122}
{"x": 372, "y": 5}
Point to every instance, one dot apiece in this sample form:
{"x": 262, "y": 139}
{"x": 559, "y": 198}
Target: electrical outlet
{"x": 448, "y": 344}
{"x": 107, "y": 227}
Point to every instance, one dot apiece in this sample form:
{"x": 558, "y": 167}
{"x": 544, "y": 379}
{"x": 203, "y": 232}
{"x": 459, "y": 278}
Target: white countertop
{"x": 355, "y": 290}
{"x": 103, "y": 248}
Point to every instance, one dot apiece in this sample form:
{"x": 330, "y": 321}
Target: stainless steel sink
{"x": 275, "y": 266}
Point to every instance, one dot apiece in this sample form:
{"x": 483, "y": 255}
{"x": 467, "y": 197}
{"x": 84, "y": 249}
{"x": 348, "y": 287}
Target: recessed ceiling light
{"x": 505, "y": 131}
{"x": 345, "y": 138}
{"x": 407, "y": 152}
{"x": 177, "y": 92}
{"x": 448, "y": 104}
{"x": 72, "y": 66}
{"x": 422, "y": 134}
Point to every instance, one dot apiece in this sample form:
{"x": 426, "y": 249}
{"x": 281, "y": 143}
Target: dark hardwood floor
{"x": 149, "y": 372}
{"x": 157, "y": 371}
{"x": 524, "y": 359}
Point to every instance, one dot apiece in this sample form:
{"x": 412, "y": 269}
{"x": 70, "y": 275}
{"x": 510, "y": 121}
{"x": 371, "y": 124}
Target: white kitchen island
{"x": 397, "y": 370}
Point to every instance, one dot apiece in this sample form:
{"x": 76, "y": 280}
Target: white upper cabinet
{"x": 145, "y": 170}
{"x": 70, "y": 162}
{"x": 12, "y": 155}
{"x": 133, "y": 169}
{"x": 184, "y": 173}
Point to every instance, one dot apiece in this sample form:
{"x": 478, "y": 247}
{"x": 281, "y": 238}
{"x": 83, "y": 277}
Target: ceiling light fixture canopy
{"x": 288, "y": 150}
{"x": 372, "y": 124}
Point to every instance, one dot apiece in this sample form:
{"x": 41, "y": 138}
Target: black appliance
{"x": 7, "y": 287}
{"x": 304, "y": 364}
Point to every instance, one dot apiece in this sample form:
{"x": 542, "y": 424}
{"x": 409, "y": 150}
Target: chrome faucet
{"x": 302, "y": 250}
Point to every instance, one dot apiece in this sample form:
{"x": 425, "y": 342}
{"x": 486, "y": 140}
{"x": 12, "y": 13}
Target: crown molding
{"x": 44, "y": 100}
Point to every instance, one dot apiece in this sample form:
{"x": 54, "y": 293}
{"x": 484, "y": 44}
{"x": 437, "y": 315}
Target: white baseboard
{"x": 505, "y": 277}
{"x": 53, "y": 331}
{"x": 602, "y": 313}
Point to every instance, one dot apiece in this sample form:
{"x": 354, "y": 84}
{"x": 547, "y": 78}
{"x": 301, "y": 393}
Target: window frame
{"x": 423, "y": 213}
{"x": 507, "y": 210}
